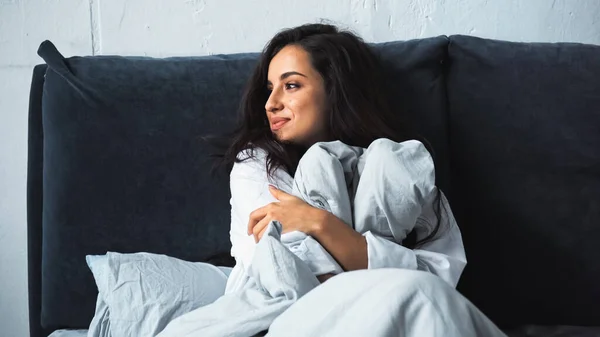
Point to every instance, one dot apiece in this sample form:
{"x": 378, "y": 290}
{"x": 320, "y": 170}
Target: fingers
{"x": 274, "y": 191}
{"x": 260, "y": 228}
{"x": 256, "y": 216}
{"x": 279, "y": 194}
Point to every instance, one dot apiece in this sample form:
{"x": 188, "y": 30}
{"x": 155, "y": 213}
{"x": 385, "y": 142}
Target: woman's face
{"x": 296, "y": 105}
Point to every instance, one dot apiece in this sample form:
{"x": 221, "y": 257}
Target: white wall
{"x": 199, "y": 27}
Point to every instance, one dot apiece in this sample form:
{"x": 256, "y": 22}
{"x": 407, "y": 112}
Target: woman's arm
{"x": 346, "y": 245}
{"x": 444, "y": 256}
{"x": 398, "y": 191}
{"x": 411, "y": 185}
{"x": 249, "y": 185}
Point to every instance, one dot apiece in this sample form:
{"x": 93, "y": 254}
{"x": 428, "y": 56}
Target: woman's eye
{"x": 291, "y": 86}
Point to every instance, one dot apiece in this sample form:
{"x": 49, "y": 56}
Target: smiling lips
{"x": 278, "y": 122}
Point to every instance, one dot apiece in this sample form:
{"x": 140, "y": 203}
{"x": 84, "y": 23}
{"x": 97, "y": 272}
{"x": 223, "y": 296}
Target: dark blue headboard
{"x": 116, "y": 157}
{"x": 116, "y": 163}
{"x": 34, "y": 202}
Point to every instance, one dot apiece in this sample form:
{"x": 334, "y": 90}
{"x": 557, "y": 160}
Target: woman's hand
{"x": 293, "y": 213}
{"x": 348, "y": 247}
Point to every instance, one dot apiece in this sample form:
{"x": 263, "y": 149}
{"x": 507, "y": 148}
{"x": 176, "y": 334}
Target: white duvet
{"x": 383, "y": 192}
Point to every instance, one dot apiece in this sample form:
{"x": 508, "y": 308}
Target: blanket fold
{"x": 277, "y": 279}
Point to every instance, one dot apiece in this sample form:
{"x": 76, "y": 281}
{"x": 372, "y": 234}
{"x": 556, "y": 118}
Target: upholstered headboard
{"x": 116, "y": 161}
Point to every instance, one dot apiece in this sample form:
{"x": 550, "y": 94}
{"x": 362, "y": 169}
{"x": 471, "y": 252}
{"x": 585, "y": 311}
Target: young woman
{"x": 315, "y": 83}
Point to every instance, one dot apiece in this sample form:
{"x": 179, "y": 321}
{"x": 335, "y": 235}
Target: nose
{"x": 274, "y": 102}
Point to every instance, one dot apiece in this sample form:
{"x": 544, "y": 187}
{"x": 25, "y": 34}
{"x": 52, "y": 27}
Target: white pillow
{"x": 139, "y": 294}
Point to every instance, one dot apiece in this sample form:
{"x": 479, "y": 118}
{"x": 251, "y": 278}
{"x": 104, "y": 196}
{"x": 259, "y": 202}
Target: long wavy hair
{"x": 357, "y": 101}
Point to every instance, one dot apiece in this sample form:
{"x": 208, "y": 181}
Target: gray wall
{"x": 199, "y": 27}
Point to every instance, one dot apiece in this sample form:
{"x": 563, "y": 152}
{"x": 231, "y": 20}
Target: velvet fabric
{"x": 415, "y": 78}
{"x": 525, "y": 149}
{"x": 125, "y": 169}
{"x": 116, "y": 163}
{"x": 35, "y": 165}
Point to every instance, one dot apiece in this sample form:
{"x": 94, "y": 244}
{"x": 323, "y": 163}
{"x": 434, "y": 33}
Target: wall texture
{"x": 200, "y": 27}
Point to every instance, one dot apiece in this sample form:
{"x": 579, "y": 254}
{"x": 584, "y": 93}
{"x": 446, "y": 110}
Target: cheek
{"x": 308, "y": 110}
{"x": 319, "y": 112}
{"x": 308, "y": 113}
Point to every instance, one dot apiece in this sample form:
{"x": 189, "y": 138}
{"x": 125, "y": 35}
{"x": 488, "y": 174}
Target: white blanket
{"x": 386, "y": 202}
{"x": 384, "y": 302}
{"x": 277, "y": 279}
{"x": 285, "y": 298}
{"x": 328, "y": 177}
{"x": 382, "y": 192}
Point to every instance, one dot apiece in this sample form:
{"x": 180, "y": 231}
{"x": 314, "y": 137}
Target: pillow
{"x": 139, "y": 294}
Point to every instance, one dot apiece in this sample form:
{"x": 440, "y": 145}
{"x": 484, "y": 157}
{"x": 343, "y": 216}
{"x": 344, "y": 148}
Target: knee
{"x": 383, "y": 144}
{"x": 382, "y": 154}
{"x": 408, "y": 164}
{"x": 387, "y": 151}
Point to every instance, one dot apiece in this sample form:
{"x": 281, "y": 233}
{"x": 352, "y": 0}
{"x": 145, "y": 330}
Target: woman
{"x": 315, "y": 84}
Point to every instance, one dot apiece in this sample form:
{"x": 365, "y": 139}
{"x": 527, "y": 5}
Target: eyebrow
{"x": 288, "y": 74}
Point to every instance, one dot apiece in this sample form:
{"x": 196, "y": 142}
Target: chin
{"x": 285, "y": 139}
{"x": 282, "y": 136}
